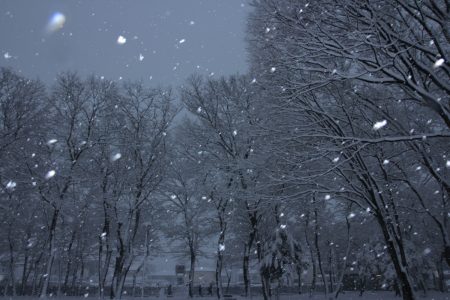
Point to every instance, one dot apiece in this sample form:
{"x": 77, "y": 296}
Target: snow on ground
{"x": 346, "y": 296}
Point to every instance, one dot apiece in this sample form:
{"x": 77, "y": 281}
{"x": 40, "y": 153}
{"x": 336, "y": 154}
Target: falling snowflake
{"x": 11, "y": 185}
{"x": 7, "y": 55}
{"x": 121, "y": 40}
{"x": 50, "y": 174}
{"x": 327, "y": 197}
{"x": 438, "y": 63}
{"x": 141, "y": 57}
{"x": 447, "y": 163}
{"x": 182, "y": 41}
{"x": 379, "y": 125}
{"x": 56, "y": 22}
{"x": 283, "y": 226}
{"x": 52, "y": 141}
{"x": 351, "y": 215}
{"x": 234, "y": 132}
{"x": 116, "y": 157}
{"x": 427, "y": 251}
{"x": 273, "y": 69}
{"x": 199, "y": 109}
{"x": 385, "y": 162}
{"x": 221, "y": 247}
{"x": 336, "y": 159}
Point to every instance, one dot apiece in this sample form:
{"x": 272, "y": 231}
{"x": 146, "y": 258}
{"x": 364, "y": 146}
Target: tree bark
{"x": 51, "y": 250}
{"x": 192, "y": 271}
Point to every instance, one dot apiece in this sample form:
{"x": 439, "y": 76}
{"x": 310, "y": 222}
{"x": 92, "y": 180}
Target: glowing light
{"x": 56, "y": 22}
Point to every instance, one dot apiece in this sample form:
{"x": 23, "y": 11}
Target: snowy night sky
{"x": 166, "y": 41}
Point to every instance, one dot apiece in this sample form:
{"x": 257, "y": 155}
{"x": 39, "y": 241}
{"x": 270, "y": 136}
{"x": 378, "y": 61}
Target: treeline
{"x": 329, "y": 159}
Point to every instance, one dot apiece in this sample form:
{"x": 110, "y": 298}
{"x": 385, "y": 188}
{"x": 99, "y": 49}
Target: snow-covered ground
{"x": 346, "y": 296}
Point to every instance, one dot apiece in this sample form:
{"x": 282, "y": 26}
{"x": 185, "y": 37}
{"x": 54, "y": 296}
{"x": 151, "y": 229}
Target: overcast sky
{"x": 166, "y": 40}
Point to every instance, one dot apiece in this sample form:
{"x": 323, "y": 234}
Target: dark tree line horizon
{"x": 330, "y": 158}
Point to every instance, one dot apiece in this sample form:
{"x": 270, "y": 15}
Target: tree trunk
{"x": 51, "y": 249}
{"x": 299, "y": 275}
{"x": 219, "y": 263}
{"x": 192, "y": 272}
{"x": 69, "y": 261}
{"x": 312, "y": 286}
{"x": 344, "y": 267}
{"x": 319, "y": 259}
{"x": 25, "y": 271}
{"x": 80, "y": 284}
{"x": 12, "y": 275}
{"x": 400, "y": 265}
{"x": 219, "y": 288}
{"x": 245, "y": 272}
